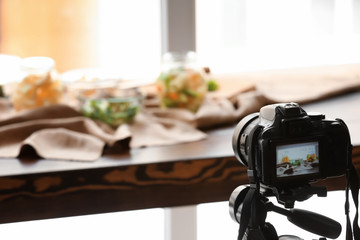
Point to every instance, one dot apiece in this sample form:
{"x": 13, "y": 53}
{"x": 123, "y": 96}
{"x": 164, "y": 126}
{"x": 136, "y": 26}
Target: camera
{"x": 285, "y": 150}
{"x": 285, "y": 147}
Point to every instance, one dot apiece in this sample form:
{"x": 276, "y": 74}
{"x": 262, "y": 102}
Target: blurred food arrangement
{"x": 103, "y": 94}
{"x": 103, "y": 108}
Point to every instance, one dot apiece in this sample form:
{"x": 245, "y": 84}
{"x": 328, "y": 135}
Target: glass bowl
{"x": 114, "y": 110}
{"x": 103, "y": 96}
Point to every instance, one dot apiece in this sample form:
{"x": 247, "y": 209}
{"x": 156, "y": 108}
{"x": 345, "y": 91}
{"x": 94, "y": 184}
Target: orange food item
{"x": 39, "y": 85}
{"x": 311, "y": 157}
{"x": 36, "y": 91}
{"x": 285, "y": 159}
{"x": 173, "y": 95}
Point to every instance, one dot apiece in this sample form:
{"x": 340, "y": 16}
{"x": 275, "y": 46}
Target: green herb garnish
{"x": 212, "y": 85}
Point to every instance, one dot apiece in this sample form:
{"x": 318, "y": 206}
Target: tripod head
{"x": 249, "y": 207}
{"x": 288, "y": 196}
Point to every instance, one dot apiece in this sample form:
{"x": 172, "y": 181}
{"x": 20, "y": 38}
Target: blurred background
{"x": 131, "y": 37}
{"x": 228, "y": 35}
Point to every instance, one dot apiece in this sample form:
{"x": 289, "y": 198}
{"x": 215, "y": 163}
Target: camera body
{"x": 286, "y": 147}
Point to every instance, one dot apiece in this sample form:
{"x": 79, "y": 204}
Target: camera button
{"x": 316, "y": 116}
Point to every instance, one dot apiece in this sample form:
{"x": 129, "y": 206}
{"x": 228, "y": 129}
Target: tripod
{"x": 249, "y": 207}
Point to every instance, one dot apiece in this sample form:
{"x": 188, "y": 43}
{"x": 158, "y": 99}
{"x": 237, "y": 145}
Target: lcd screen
{"x": 297, "y": 159}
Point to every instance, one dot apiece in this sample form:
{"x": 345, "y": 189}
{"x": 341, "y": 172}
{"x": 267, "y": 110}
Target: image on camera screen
{"x": 297, "y": 159}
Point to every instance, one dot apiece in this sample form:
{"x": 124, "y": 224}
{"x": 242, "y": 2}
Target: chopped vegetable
{"x": 112, "y": 111}
{"x": 212, "y": 85}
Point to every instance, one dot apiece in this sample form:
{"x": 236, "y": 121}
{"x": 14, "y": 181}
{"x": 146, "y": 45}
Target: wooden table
{"x": 183, "y": 174}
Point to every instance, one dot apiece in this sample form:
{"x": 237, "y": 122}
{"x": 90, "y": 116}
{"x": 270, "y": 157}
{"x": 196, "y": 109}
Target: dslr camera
{"x": 285, "y": 147}
{"x": 285, "y": 150}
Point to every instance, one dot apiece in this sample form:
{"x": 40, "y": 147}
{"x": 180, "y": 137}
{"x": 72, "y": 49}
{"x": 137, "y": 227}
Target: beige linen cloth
{"x": 61, "y": 132}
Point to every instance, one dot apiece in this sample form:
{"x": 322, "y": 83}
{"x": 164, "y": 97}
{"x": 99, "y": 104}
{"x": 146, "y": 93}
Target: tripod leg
{"x": 268, "y": 232}
{"x": 253, "y": 234}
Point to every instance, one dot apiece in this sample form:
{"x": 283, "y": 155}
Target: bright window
{"x": 129, "y": 36}
{"x": 231, "y": 35}
{"x": 119, "y": 34}
{"x": 236, "y": 35}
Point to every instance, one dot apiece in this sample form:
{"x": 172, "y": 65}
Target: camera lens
{"x": 236, "y": 201}
{"x": 240, "y": 137}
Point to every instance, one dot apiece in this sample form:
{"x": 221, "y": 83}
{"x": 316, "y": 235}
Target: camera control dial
{"x": 316, "y": 116}
{"x": 290, "y": 110}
